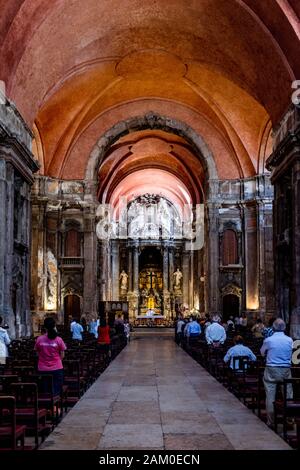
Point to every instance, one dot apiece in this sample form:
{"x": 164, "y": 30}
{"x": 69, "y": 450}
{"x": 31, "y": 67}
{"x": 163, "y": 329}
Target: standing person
{"x": 76, "y": 330}
{"x": 278, "y": 349}
{"x": 215, "y": 333}
{"x": 127, "y": 331}
{"x": 179, "y": 324}
{"x": 50, "y": 349}
{"x": 84, "y": 323}
{"x": 93, "y": 327}
{"x": 4, "y": 342}
{"x": 104, "y": 336}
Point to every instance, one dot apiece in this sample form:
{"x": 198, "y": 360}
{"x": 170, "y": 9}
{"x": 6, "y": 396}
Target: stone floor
{"x": 154, "y": 396}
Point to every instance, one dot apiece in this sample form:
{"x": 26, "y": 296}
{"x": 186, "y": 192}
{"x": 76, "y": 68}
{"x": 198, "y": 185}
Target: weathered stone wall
{"x": 16, "y": 176}
{"x": 246, "y": 207}
{"x": 285, "y": 166}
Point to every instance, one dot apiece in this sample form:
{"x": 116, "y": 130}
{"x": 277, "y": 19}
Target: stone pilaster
{"x": 186, "y": 277}
{"x": 251, "y": 258}
{"x": 211, "y": 259}
{"x": 295, "y": 312}
{"x": 136, "y": 269}
{"x": 130, "y": 283}
{"x": 90, "y": 297}
{"x": 115, "y": 269}
{"x": 265, "y": 248}
{"x": 166, "y": 292}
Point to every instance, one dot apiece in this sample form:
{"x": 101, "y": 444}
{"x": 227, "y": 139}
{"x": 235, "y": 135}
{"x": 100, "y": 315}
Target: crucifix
{"x": 151, "y": 275}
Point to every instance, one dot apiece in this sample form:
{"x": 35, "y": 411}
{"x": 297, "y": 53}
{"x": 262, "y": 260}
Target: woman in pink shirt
{"x": 50, "y": 348}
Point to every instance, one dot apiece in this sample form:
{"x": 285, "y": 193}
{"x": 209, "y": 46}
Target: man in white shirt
{"x": 179, "y": 324}
{"x": 215, "y": 333}
{"x": 278, "y": 348}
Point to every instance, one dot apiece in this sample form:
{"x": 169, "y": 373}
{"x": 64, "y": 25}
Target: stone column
{"x": 165, "y": 268}
{"x": 115, "y": 269}
{"x": 191, "y": 280}
{"x": 3, "y": 209}
{"x": 129, "y": 268}
{"x": 14, "y": 319}
{"x": 90, "y": 296}
{"x": 186, "y": 277}
{"x": 265, "y": 249}
{"x": 136, "y": 269}
{"x": 166, "y": 292}
{"x": 134, "y": 297}
{"x": 171, "y": 267}
{"x": 251, "y": 258}
{"x": 104, "y": 293}
{"x": 27, "y": 267}
{"x": 212, "y": 259}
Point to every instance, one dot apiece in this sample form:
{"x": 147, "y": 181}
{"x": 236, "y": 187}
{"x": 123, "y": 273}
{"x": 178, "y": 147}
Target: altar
{"x": 150, "y": 320}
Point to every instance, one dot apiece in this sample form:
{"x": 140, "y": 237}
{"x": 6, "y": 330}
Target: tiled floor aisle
{"x": 154, "y": 396}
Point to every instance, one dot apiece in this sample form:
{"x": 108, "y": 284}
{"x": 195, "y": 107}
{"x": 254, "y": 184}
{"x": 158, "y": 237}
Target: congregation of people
{"x": 254, "y": 361}
{"x": 41, "y": 378}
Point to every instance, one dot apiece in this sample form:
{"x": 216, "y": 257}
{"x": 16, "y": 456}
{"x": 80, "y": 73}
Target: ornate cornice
{"x": 287, "y": 147}
{"x": 17, "y": 154}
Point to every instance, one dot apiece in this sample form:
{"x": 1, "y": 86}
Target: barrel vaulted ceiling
{"x": 223, "y": 67}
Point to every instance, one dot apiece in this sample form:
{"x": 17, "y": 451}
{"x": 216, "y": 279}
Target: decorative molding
{"x": 232, "y": 289}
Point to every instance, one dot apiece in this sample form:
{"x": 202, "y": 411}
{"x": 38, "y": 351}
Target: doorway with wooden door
{"x": 72, "y": 309}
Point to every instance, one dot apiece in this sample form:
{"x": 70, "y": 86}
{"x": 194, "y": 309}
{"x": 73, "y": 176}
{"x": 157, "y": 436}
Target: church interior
{"x": 150, "y": 168}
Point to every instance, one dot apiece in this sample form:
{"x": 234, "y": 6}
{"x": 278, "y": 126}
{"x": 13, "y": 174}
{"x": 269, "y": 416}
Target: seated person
{"x": 193, "y": 329}
{"x": 238, "y": 350}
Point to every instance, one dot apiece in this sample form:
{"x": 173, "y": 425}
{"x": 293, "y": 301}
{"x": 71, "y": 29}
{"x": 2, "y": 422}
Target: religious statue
{"x": 177, "y": 279}
{"x": 124, "y": 280}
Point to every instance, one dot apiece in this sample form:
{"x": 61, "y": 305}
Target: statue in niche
{"x": 124, "y": 281}
{"x": 177, "y": 279}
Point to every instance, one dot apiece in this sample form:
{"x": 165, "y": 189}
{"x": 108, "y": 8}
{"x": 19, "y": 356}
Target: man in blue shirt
{"x": 238, "y": 350}
{"x": 192, "y": 330}
{"x": 76, "y": 330}
{"x": 278, "y": 349}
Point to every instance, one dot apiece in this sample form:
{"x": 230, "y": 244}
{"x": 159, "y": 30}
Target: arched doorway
{"x": 231, "y": 306}
{"x": 72, "y": 308}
